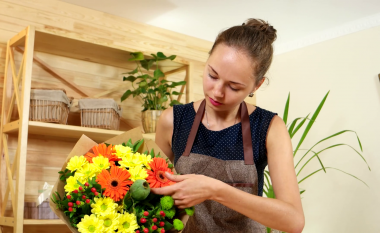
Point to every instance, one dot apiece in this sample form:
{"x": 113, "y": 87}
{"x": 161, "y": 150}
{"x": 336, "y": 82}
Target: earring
{"x": 251, "y": 94}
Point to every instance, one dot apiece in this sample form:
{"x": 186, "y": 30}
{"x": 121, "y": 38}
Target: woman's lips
{"x": 213, "y": 102}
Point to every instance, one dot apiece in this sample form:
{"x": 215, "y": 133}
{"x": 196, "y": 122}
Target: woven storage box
{"x": 49, "y": 105}
{"x": 100, "y": 113}
{"x": 43, "y": 211}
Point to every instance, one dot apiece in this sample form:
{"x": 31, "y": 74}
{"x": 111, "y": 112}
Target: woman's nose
{"x": 218, "y": 90}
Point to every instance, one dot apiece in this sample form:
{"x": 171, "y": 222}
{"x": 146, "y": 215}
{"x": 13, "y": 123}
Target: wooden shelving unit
{"x": 16, "y": 94}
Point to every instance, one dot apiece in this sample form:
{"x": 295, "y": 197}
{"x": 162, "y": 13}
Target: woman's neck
{"x": 218, "y": 120}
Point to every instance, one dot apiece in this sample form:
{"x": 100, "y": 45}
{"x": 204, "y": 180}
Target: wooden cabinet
{"x": 16, "y": 98}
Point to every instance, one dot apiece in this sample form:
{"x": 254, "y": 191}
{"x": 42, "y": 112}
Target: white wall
{"x": 348, "y": 66}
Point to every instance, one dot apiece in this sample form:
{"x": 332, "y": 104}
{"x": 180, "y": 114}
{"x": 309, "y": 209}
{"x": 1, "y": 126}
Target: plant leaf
{"x": 126, "y": 95}
{"x": 299, "y": 125}
{"x": 311, "y": 122}
{"x": 158, "y": 74}
{"x": 133, "y": 71}
{"x": 130, "y": 78}
{"x": 286, "y": 110}
{"x": 174, "y": 102}
{"x": 147, "y": 63}
{"x": 334, "y": 169}
{"x": 163, "y": 99}
{"x": 331, "y": 136}
{"x": 138, "y": 56}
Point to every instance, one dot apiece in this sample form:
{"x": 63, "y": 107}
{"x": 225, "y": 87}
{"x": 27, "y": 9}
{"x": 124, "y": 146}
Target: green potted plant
{"x": 310, "y": 154}
{"x": 154, "y": 90}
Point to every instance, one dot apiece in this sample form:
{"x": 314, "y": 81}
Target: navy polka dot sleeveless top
{"x": 226, "y": 144}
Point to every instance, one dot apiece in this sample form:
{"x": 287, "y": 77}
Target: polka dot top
{"x": 226, "y": 144}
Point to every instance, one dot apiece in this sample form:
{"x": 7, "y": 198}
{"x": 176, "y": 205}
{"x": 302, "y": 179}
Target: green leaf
{"x": 174, "y": 84}
{"x": 161, "y": 56}
{"x": 126, "y": 95}
{"x": 285, "y": 118}
{"x": 174, "y": 102}
{"x": 293, "y": 132}
{"x": 129, "y": 143}
{"x": 152, "y": 153}
{"x": 302, "y": 191}
{"x": 137, "y": 145}
{"x": 158, "y": 74}
{"x": 138, "y": 56}
{"x": 147, "y": 63}
{"x": 320, "y": 161}
{"x": 271, "y": 192}
{"x": 311, "y": 122}
{"x": 176, "y": 93}
{"x": 142, "y": 84}
{"x": 133, "y": 71}
{"x": 331, "y": 136}
{"x": 334, "y": 169}
{"x": 167, "y": 225}
{"x": 130, "y": 78}
{"x": 163, "y": 99}
{"x": 172, "y": 57}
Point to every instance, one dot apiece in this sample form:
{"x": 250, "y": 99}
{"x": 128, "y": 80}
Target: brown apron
{"x": 211, "y": 216}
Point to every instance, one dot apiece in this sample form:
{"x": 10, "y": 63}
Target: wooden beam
{"x": 15, "y": 78}
{"x": 50, "y": 70}
{"x": 9, "y": 172}
{"x": 8, "y": 189}
{"x": 18, "y": 39}
{"x": 189, "y": 82}
{"x": 183, "y": 68}
{"x": 6, "y": 221}
{"x": 23, "y": 130}
{"x": 11, "y": 127}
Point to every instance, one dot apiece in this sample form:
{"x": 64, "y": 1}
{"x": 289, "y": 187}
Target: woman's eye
{"x": 234, "y": 89}
{"x": 211, "y": 76}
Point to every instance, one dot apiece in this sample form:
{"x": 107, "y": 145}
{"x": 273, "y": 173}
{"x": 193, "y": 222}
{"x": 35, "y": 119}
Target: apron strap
{"x": 245, "y": 126}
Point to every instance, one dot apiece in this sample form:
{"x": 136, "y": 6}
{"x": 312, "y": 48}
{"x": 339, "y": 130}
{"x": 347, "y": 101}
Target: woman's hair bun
{"x": 261, "y": 25}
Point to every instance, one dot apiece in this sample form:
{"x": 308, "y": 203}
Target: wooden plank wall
{"x": 46, "y": 155}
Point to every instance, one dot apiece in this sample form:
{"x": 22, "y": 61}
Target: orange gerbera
{"x": 102, "y": 149}
{"x": 114, "y": 183}
{"x": 156, "y": 178}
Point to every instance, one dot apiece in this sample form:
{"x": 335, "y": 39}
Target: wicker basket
{"x": 49, "y": 105}
{"x": 100, "y": 113}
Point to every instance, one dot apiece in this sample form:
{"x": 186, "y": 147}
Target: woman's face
{"x": 227, "y": 78}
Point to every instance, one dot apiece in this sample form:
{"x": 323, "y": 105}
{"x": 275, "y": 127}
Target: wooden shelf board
{"x": 68, "y": 131}
{"x": 93, "y": 52}
{"x": 43, "y": 222}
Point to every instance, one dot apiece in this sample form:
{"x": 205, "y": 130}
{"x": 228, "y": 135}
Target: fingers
{"x": 166, "y": 191}
{"x": 175, "y": 178}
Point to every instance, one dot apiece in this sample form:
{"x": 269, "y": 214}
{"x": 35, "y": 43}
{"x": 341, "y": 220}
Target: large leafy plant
{"x": 310, "y": 153}
{"x": 154, "y": 90}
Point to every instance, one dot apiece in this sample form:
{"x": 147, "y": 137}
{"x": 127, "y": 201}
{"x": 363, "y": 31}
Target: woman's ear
{"x": 258, "y": 85}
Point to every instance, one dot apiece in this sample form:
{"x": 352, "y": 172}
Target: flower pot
{"x": 149, "y": 120}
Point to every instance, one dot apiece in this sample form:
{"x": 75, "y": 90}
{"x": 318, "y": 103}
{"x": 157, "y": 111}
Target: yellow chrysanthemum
{"x": 103, "y": 206}
{"x": 71, "y": 185}
{"x": 88, "y": 171}
{"x": 127, "y": 223}
{"x": 110, "y": 222}
{"x": 91, "y": 224}
{"x": 119, "y": 208}
{"x": 100, "y": 163}
{"x": 137, "y": 173}
{"x": 76, "y": 163}
{"x": 146, "y": 159}
{"x": 133, "y": 160}
{"x": 122, "y": 151}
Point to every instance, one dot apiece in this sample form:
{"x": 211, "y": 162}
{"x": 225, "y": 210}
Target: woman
{"x": 221, "y": 145}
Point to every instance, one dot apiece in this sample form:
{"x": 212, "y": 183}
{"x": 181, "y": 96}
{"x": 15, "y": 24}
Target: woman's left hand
{"x": 189, "y": 190}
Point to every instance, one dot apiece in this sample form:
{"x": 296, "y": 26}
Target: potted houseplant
{"x": 154, "y": 90}
{"x": 310, "y": 154}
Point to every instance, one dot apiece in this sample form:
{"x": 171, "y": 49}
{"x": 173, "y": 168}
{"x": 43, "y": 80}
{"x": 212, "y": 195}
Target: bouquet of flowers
{"x": 106, "y": 188}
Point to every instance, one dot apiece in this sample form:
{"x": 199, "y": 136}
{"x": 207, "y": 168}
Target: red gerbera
{"x": 114, "y": 183}
{"x": 102, "y": 149}
{"x": 156, "y": 178}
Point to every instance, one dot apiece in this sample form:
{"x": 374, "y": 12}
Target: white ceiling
{"x": 298, "y": 22}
